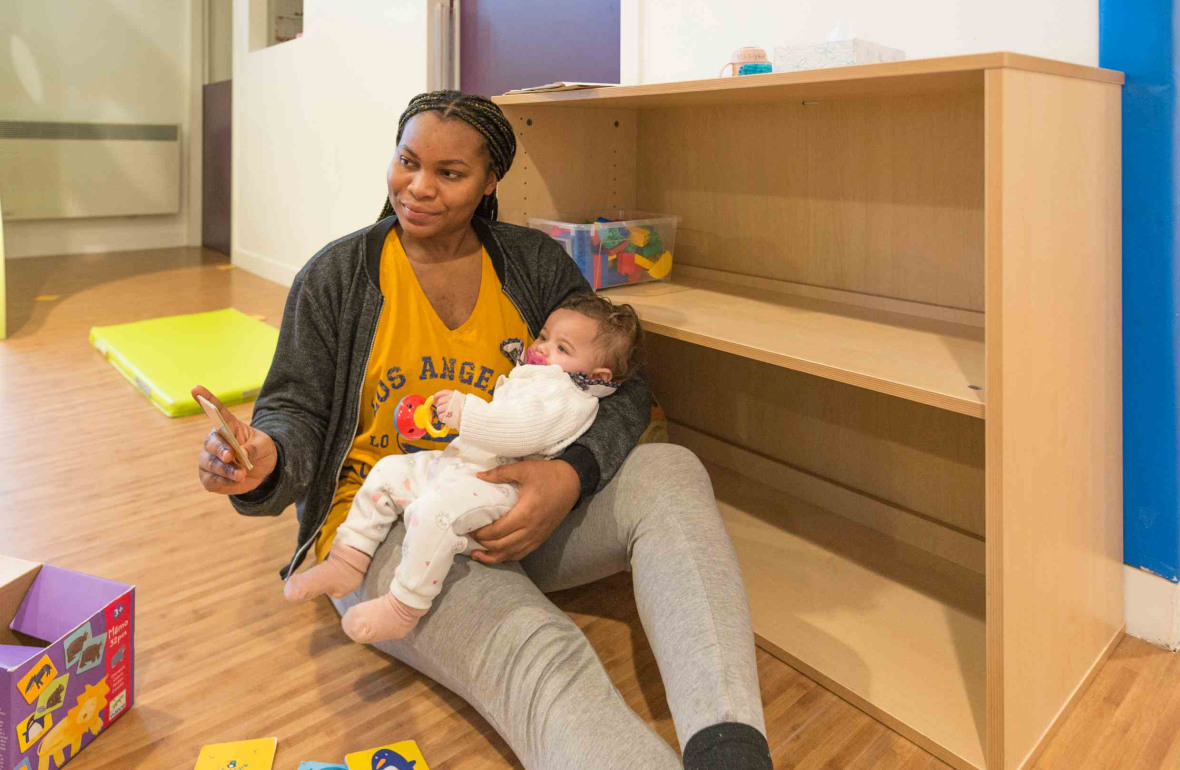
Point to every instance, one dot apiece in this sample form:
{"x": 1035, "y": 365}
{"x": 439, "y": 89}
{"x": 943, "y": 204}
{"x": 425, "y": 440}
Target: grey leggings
{"x": 494, "y": 639}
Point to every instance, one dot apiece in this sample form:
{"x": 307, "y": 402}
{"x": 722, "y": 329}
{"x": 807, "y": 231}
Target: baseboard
{"x": 264, "y": 267}
{"x": 1152, "y": 606}
{"x": 32, "y": 239}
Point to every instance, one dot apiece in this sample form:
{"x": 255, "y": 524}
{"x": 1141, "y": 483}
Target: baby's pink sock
{"x": 338, "y": 575}
{"x": 379, "y": 619}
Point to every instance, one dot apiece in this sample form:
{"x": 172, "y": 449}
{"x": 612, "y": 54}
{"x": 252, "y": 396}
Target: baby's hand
{"x": 449, "y": 406}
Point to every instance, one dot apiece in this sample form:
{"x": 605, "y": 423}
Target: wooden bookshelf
{"x": 858, "y": 250}
{"x": 944, "y": 74}
{"x": 890, "y": 627}
{"x": 929, "y": 361}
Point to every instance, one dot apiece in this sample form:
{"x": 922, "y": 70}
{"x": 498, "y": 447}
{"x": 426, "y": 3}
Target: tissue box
{"x": 838, "y": 53}
{"x": 67, "y": 661}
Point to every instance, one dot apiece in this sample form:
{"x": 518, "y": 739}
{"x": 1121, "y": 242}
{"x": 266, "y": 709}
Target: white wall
{"x": 1152, "y": 607}
{"x": 315, "y": 122}
{"x": 101, "y": 61}
{"x": 668, "y": 40}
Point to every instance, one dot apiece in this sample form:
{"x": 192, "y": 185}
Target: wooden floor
{"x": 95, "y": 479}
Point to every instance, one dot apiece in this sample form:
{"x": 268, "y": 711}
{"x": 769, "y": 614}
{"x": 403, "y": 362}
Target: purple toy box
{"x": 67, "y": 661}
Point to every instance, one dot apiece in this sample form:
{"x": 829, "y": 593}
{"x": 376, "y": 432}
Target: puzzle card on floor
{"x": 256, "y": 754}
{"x": 403, "y": 755}
{"x": 321, "y": 766}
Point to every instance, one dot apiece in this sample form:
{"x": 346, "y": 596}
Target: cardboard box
{"x": 834, "y": 53}
{"x": 67, "y": 661}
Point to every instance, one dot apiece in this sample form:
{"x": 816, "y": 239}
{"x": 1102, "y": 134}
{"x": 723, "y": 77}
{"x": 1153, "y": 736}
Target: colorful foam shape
{"x": 662, "y": 266}
{"x": 654, "y": 248}
{"x": 226, "y": 350}
{"x": 321, "y": 766}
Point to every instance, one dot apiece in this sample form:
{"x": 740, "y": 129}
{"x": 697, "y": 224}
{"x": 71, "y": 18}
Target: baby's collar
{"x": 514, "y": 347}
{"x": 596, "y": 388}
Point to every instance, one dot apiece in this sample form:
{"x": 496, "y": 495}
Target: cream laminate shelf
{"x": 893, "y": 629}
{"x": 942, "y": 74}
{"x": 929, "y": 361}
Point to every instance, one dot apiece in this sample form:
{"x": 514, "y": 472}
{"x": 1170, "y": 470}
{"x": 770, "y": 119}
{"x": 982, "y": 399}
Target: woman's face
{"x": 438, "y": 175}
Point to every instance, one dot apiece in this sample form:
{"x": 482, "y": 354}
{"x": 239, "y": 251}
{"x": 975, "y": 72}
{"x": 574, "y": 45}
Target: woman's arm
{"x": 292, "y": 407}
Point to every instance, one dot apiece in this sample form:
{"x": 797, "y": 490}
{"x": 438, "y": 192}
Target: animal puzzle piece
{"x": 387, "y": 759}
{"x": 54, "y": 695}
{"x": 403, "y": 755}
{"x": 31, "y": 729}
{"x": 75, "y": 647}
{"x": 92, "y": 653}
{"x": 75, "y": 641}
{"x": 37, "y": 679}
{"x": 84, "y": 717}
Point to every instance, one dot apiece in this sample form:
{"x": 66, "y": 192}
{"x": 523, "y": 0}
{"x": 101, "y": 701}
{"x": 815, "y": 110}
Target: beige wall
{"x": 315, "y": 121}
{"x": 110, "y": 61}
{"x": 219, "y": 40}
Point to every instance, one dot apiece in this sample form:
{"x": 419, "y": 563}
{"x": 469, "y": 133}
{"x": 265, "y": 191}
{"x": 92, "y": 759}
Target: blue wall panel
{"x": 1139, "y": 38}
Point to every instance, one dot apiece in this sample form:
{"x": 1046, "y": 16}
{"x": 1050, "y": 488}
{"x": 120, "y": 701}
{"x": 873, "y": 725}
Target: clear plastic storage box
{"x": 614, "y": 248}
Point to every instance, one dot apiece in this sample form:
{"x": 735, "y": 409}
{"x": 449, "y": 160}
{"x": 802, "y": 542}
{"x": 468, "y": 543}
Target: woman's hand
{"x": 217, "y": 465}
{"x": 547, "y": 491}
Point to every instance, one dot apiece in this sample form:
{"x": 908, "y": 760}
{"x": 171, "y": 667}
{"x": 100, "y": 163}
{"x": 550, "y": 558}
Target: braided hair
{"x": 482, "y": 114}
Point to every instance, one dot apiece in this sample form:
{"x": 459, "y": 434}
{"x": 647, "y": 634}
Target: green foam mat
{"x": 227, "y": 351}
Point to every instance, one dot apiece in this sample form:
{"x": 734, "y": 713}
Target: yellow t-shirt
{"x": 414, "y": 356}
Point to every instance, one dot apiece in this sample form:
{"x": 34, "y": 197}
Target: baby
{"x": 587, "y": 347}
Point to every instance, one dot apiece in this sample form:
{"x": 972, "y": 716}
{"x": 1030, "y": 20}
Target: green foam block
{"x": 227, "y": 351}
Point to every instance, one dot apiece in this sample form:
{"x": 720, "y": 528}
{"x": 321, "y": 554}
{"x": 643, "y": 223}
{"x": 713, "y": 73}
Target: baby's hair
{"x": 619, "y": 333}
{"x": 482, "y": 114}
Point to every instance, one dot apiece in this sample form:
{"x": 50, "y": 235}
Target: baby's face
{"x": 568, "y": 340}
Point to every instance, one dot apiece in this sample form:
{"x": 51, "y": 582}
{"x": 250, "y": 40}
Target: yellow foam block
{"x": 225, "y": 350}
{"x": 662, "y": 266}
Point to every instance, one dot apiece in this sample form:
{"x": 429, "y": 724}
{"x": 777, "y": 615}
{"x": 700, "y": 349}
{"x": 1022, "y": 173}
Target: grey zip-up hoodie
{"x": 310, "y": 402}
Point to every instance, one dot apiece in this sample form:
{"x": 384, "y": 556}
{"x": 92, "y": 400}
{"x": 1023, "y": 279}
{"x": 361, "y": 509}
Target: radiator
{"x": 60, "y": 170}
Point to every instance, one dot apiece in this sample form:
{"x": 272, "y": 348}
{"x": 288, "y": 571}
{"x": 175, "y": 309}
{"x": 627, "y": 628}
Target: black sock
{"x": 728, "y": 745}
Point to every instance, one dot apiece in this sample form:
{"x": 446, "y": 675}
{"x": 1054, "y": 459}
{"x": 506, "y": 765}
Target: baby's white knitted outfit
{"x": 535, "y": 412}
